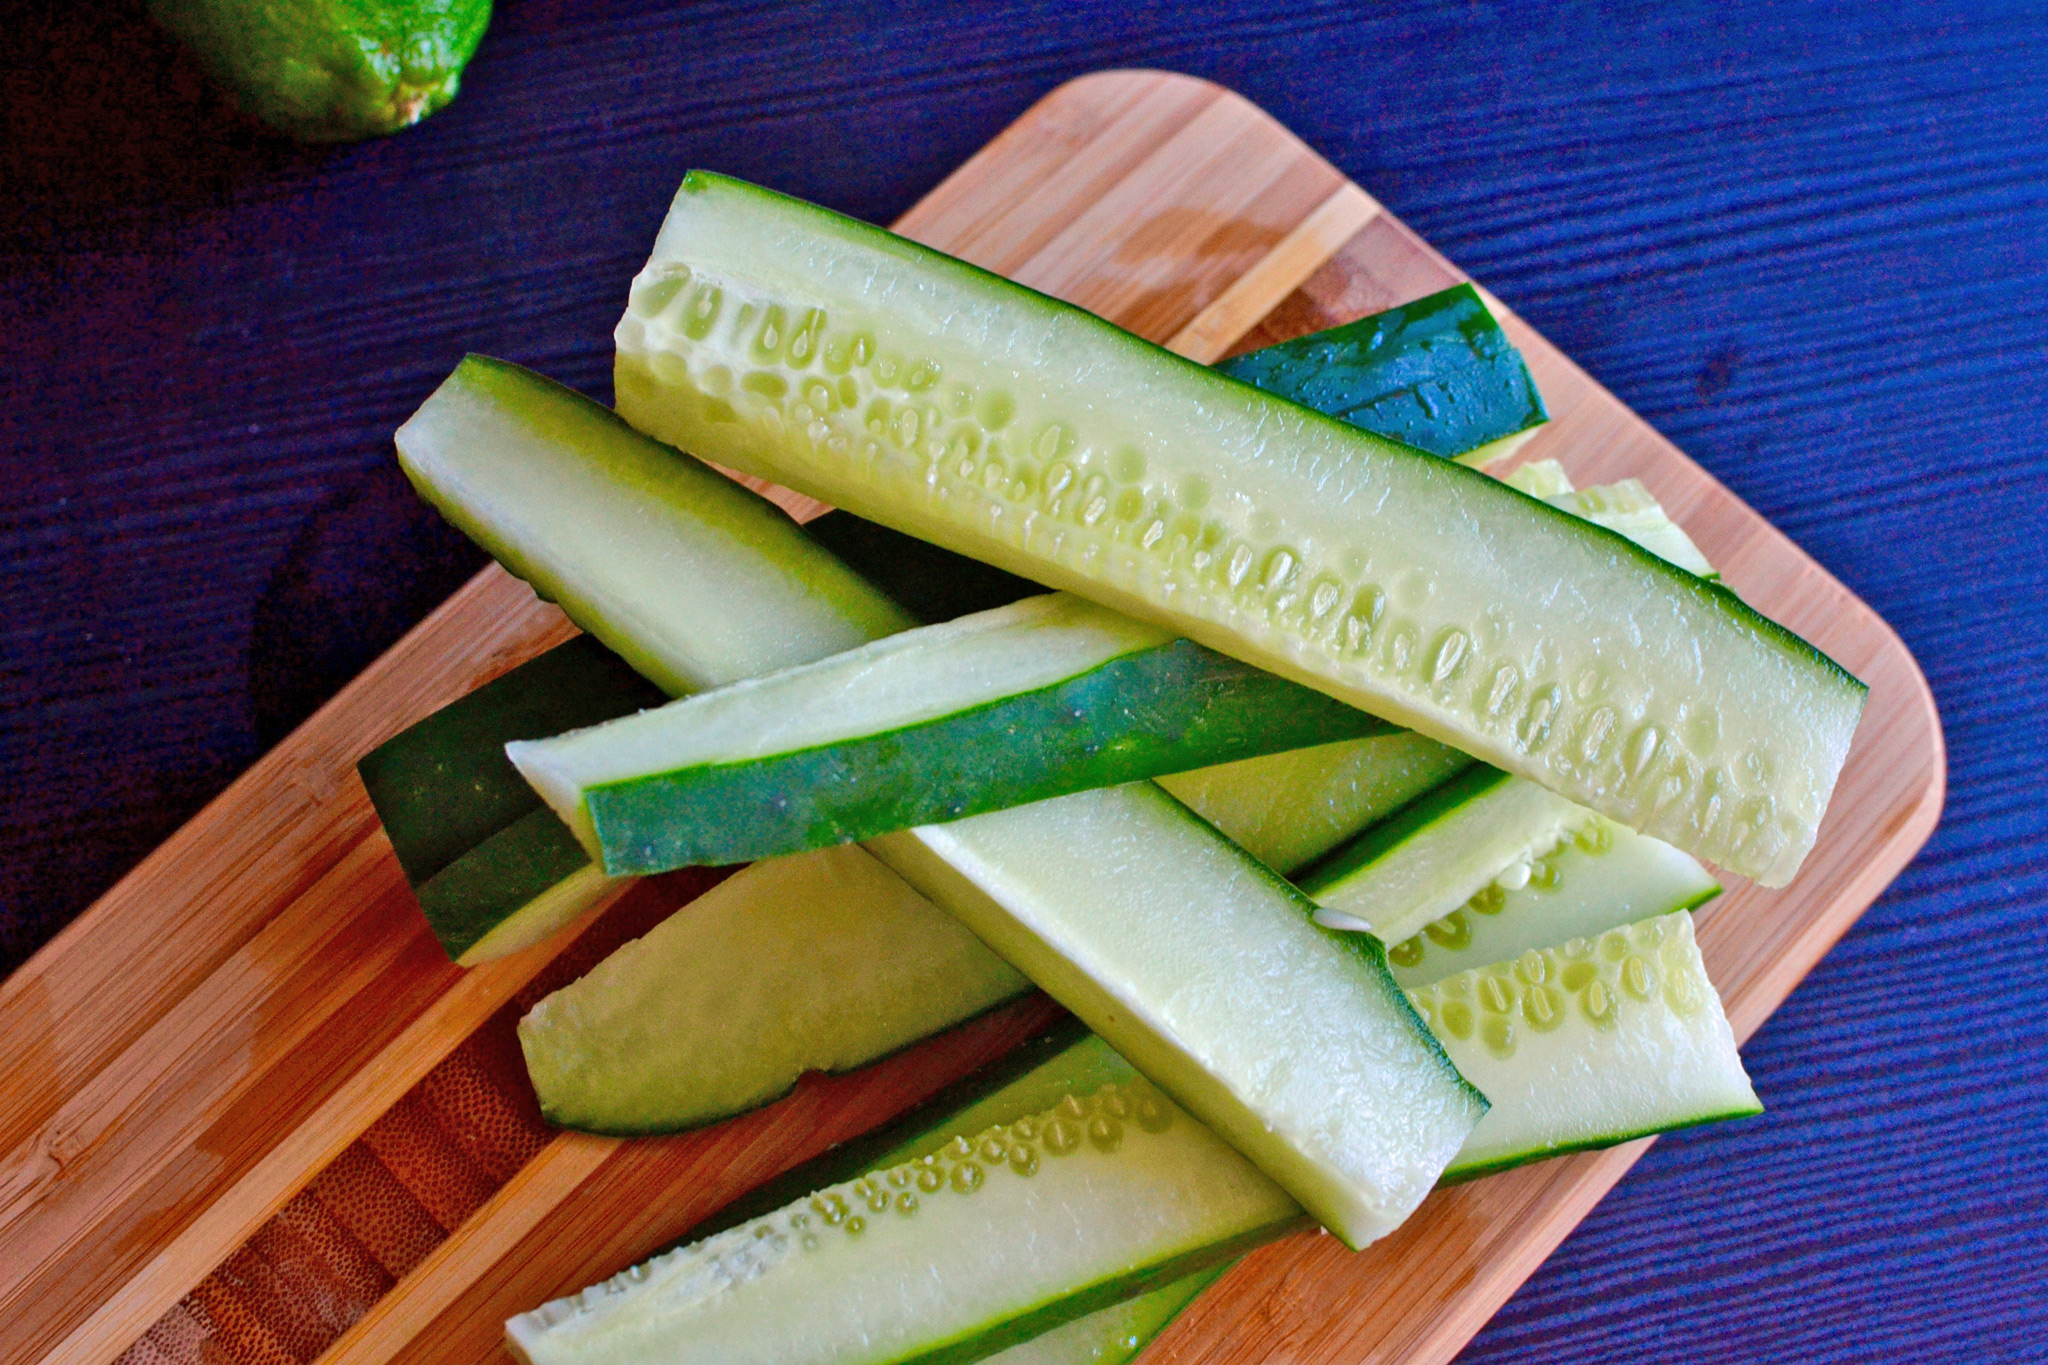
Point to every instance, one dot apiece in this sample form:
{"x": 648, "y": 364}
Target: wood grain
{"x": 196, "y": 1049}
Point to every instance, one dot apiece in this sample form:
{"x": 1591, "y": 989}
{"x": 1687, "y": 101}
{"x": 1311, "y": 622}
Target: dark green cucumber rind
{"x": 1164, "y": 709}
{"x": 1232, "y": 393}
{"x": 1170, "y": 1301}
{"x": 443, "y": 785}
{"x": 1424, "y": 811}
{"x": 929, "y": 1117}
{"x": 474, "y": 894}
{"x": 1102, "y": 1294}
{"x": 1457, "y": 1173}
{"x": 1437, "y": 374}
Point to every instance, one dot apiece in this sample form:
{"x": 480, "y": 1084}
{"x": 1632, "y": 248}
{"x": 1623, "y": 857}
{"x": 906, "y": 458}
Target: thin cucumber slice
{"x": 1604, "y": 876}
{"x": 918, "y": 391}
{"x": 823, "y": 961}
{"x": 692, "y": 579}
{"x": 951, "y": 1256}
{"x": 1289, "y": 809}
{"x": 1626, "y": 508}
{"x": 1590, "y": 1044}
{"x": 514, "y": 889}
{"x": 1207, "y": 971}
{"x": 1111, "y": 1336}
{"x": 1437, "y": 374}
{"x": 1043, "y": 697}
{"x": 1435, "y": 853}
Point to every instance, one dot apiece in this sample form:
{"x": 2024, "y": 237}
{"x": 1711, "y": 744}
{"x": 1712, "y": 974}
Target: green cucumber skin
{"x": 443, "y": 785}
{"x": 1104, "y": 1294}
{"x": 1551, "y": 647}
{"x": 475, "y": 894}
{"x": 1437, "y": 374}
{"x": 1460, "y": 1172}
{"x": 1397, "y": 828}
{"x": 1111, "y": 1336}
{"x": 1164, "y": 710}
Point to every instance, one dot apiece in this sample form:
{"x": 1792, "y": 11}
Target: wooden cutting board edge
{"x": 258, "y": 838}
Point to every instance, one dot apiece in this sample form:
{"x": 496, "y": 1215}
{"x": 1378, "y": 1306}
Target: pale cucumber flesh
{"x": 1206, "y": 970}
{"x": 1434, "y": 854}
{"x": 950, "y": 1256}
{"x": 692, "y": 579}
{"x": 918, "y": 391}
{"x": 1603, "y": 876}
{"x": 821, "y": 961}
{"x": 1026, "y": 701}
{"x": 1589, "y": 1044}
{"x": 1289, "y": 809}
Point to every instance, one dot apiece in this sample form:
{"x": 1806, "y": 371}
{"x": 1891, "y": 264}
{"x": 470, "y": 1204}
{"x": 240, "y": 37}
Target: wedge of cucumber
{"x": 1602, "y": 877}
{"x": 916, "y": 390}
{"x": 1289, "y": 809}
{"x": 1046, "y": 696}
{"x": 1625, "y": 507}
{"x": 1435, "y": 853}
{"x": 1206, "y": 969}
{"x": 949, "y": 1256}
{"x": 1437, "y": 374}
{"x": 822, "y": 961}
{"x": 1589, "y": 1044}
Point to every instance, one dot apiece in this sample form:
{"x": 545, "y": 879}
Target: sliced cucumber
{"x": 1626, "y": 508}
{"x": 819, "y": 962}
{"x": 692, "y": 579}
{"x": 1590, "y": 1044}
{"x": 951, "y": 1256}
{"x": 450, "y": 799}
{"x": 1289, "y": 809}
{"x": 918, "y": 391}
{"x": 1604, "y": 876}
{"x": 1437, "y": 374}
{"x": 1113, "y": 1335}
{"x": 1207, "y": 971}
{"x": 1435, "y": 853}
{"x": 1043, "y": 697}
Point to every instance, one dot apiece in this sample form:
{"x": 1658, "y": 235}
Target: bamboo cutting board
{"x": 248, "y": 1111}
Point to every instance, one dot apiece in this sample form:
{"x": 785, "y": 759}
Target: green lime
{"x": 332, "y": 70}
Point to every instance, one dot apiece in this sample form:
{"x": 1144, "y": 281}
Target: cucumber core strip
{"x": 1437, "y": 374}
{"x": 822, "y": 961}
{"x": 919, "y": 391}
{"x": 1043, "y": 697}
{"x": 1589, "y": 1044}
{"x": 1602, "y": 877}
{"x": 952, "y": 1255}
{"x": 1434, "y": 854}
{"x": 1206, "y": 969}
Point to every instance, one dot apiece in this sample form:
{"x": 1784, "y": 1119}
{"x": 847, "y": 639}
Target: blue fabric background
{"x": 1810, "y": 243}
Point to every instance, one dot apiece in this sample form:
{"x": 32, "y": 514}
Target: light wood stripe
{"x": 235, "y": 1215}
{"x": 1257, "y": 292}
